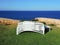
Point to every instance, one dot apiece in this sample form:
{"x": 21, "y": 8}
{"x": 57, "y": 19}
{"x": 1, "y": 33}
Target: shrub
{"x": 35, "y": 20}
{"x": 44, "y": 23}
{"x": 52, "y": 24}
{"x": 21, "y": 20}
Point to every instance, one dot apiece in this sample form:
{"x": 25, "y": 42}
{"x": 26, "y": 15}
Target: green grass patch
{"x": 8, "y": 37}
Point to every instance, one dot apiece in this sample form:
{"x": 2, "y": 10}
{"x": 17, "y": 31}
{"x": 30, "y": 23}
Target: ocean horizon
{"x": 29, "y": 15}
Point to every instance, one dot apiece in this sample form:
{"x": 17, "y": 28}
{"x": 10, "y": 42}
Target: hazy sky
{"x": 29, "y": 5}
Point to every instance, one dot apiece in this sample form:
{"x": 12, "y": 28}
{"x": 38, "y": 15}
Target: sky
{"x": 30, "y": 5}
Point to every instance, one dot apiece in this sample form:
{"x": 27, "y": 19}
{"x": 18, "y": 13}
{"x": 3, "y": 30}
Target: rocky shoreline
{"x": 49, "y": 21}
{"x": 8, "y": 21}
{"x": 45, "y": 20}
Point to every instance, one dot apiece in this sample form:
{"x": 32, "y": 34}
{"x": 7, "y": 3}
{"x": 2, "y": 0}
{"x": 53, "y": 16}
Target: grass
{"x": 8, "y": 37}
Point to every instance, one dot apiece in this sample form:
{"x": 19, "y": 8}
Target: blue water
{"x": 28, "y": 15}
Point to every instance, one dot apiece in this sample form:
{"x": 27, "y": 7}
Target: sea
{"x": 29, "y": 15}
